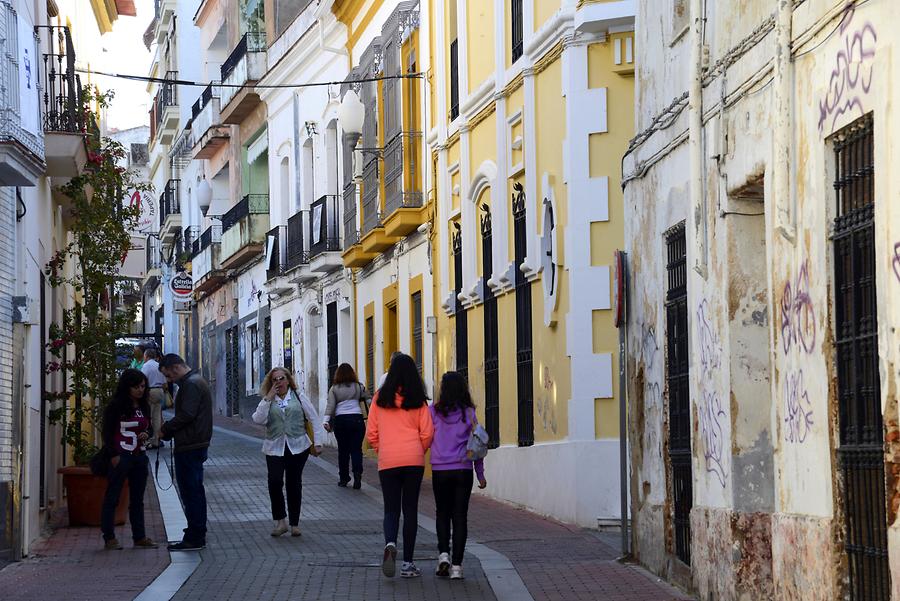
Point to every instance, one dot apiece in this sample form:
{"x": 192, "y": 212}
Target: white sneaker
{"x": 280, "y": 528}
{"x": 456, "y": 573}
{"x": 443, "y": 566}
{"x": 388, "y": 565}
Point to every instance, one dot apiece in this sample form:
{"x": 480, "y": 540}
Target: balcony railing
{"x": 251, "y": 204}
{"x": 402, "y": 187}
{"x": 154, "y": 255}
{"x": 62, "y": 86}
{"x": 211, "y": 235}
{"x": 206, "y": 255}
{"x": 246, "y": 63}
{"x": 185, "y": 244}
{"x": 276, "y": 247}
{"x": 324, "y": 234}
{"x": 169, "y": 201}
{"x": 297, "y": 253}
{"x": 166, "y": 97}
{"x": 370, "y": 209}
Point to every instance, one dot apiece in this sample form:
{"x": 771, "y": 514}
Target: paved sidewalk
{"x": 71, "y": 564}
{"x": 556, "y": 561}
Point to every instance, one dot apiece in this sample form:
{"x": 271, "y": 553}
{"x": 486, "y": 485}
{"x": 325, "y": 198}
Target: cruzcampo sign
{"x": 182, "y": 286}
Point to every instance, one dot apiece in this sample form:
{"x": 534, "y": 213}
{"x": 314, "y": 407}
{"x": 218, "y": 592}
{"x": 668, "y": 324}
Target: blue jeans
{"x": 189, "y": 477}
{"x": 135, "y": 468}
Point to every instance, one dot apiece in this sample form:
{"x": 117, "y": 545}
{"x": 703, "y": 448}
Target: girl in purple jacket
{"x": 454, "y": 417}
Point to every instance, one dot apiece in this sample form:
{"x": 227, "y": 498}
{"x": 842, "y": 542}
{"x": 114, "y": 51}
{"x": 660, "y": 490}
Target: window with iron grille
{"x": 524, "y": 355}
{"x": 491, "y": 336}
{"x": 232, "y": 389}
{"x": 517, "y": 26}
{"x": 861, "y": 450}
{"x": 416, "y": 302}
{"x": 253, "y": 337}
{"x": 267, "y": 345}
{"x": 461, "y": 321}
{"x": 331, "y": 334}
{"x": 370, "y": 354}
{"x": 678, "y": 384}
{"x": 454, "y": 79}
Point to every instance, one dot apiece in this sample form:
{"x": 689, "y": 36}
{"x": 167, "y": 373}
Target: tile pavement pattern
{"x": 71, "y": 563}
{"x": 555, "y": 560}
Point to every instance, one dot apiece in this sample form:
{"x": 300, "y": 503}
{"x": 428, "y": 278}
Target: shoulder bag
{"x": 363, "y": 407}
{"x": 477, "y": 446}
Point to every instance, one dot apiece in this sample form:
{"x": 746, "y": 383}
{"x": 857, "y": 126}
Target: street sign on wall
{"x": 182, "y": 286}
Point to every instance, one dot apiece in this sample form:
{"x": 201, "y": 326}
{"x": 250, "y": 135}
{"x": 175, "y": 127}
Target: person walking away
{"x": 191, "y": 430}
{"x": 285, "y": 414}
{"x": 451, "y": 472}
{"x": 400, "y": 430}
{"x": 157, "y": 385}
{"x": 345, "y": 415}
{"x": 126, "y": 429}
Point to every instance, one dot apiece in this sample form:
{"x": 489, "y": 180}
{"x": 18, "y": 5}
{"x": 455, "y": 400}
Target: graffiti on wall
{"x": 649, "y": 346}
{"x": 798, "y": 316}
{"x": 710, "y": 412}
{"x": 851, "y": 77}
{"x": 895, "y": 263}
{"x": 798, "y": 417}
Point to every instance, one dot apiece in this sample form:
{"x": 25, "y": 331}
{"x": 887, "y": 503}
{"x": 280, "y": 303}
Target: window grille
{"x": 861, "y": 451}
{"x": 460, "y": 317}
{"x": 491, "y": 336}
{"x": 524, "y": 356}
{"x": 678, "y": 384}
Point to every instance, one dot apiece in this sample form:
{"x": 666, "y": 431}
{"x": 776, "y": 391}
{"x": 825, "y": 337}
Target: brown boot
{"x": 145, "y": 543}
{"x": 112, "y": 544}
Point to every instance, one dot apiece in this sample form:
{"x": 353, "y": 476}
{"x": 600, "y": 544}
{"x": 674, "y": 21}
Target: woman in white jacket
{"x": 285, "y": 412}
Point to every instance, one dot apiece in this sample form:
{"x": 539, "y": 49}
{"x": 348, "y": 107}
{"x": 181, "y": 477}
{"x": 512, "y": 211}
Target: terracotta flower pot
{"x": 84, "y": 494}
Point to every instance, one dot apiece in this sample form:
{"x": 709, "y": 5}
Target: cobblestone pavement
{"x": 70, "y": 563}
{"x": 337, "y": 556}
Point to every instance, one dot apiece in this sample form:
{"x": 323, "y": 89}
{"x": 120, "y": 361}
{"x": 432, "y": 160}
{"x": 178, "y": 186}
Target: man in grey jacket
{"x": 191, "y": 428}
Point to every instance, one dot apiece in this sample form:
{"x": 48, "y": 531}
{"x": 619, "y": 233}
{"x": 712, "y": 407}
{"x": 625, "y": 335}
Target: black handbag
{"x": 100, "y": 462}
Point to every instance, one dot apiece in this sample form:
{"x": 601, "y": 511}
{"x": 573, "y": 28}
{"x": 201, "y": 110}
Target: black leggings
{"x": 290, "y": 468}
{"x": 452, "y": 489}
{"x": 400, "y": 489}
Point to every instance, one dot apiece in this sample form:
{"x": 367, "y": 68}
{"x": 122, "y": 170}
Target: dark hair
{"x": 344, "y": 375}
{"x": 121, "y": 403}
{"x": 454, "y": 394}
{"x": 403, "y": 377}
{"x": 171, "y": 360}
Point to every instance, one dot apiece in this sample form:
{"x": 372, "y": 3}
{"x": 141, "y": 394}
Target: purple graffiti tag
{"x": 852, "y": 75}
{"x": 798, "y": 408}
{"x": 253, "y": 293}
{"x": 710, "y": 411}
{"x": 798, "y": 316}
{"x": 896, "y": 262}
{"x": 710, "y": 358}
{"x": 711, "y": 416}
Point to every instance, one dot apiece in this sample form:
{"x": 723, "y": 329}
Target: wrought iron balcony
{"x": 297, "y": 251}
{"x": 165, "y": 117}
{"x": 244, "y": 229}
{"x": 209, "y": 133}
{"x": 244, "y": 66}
{"x": 402, "y": 173}
{"x": 276, "y": 251}
{"x": 170, "y": 210}
{"x": 154, "y": 256}
{"x": 205, "y": 265}
{"x": 324, "y": 235}
{"x": 184, "y": 243}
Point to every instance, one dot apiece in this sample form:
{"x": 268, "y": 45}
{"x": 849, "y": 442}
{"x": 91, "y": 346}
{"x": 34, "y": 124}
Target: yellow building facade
{"x": 531, "y": 106}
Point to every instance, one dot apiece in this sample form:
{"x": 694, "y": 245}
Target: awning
{"x": 258, "y": 146}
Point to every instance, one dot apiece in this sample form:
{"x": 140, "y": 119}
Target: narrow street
{"x": 338, "y": 556}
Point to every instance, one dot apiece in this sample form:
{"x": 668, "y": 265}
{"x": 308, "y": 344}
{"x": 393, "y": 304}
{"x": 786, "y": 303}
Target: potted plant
{"x": 82, "y": 344}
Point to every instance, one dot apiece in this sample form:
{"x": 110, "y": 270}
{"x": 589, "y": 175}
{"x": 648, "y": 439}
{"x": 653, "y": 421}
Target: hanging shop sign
{"x": 182, "y": 286}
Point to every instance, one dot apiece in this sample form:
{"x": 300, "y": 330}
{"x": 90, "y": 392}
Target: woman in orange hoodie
{"x": 400, "y": 430}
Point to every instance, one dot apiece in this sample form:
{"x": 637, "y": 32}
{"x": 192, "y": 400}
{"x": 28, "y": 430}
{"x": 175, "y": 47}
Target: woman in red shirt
{"x": 400, "y": 430}
{"x": 126, "y": 429}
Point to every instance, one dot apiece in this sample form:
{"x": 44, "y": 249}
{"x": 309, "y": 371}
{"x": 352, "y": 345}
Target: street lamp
{"x": 204, "y": 195}
{"x": 351, "y": 115}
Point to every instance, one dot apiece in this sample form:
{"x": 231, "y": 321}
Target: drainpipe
{"x": 781, "y": 171}
{"x": 695, "y": 127}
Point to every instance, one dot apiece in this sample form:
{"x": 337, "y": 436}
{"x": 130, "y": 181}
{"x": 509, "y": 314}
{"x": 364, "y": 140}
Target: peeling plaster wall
{"x": 767, "y": 518}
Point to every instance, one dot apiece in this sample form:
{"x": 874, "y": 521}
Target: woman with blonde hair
{"x": 285, "y": 413}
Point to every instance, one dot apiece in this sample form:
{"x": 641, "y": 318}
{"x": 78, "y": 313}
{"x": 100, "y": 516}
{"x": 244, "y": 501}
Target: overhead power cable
{"x": 204, "y": 84}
